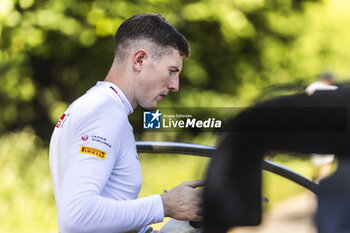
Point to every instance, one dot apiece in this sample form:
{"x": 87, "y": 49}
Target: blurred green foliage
{"x": 26, "y": 198}
{"x": 52, "y": 51}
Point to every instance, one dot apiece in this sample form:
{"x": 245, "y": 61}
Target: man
{"x": 325, "y": 84}
{"x": 322, "y": 163}
{"x": 94, "y": 165}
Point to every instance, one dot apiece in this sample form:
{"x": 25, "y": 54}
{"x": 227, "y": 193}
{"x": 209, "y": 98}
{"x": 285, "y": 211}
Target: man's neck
{"x": 119, "y": 76}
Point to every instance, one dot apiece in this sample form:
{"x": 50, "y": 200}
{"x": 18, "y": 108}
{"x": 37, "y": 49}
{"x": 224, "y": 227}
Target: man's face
{"x": 158, "y": 77}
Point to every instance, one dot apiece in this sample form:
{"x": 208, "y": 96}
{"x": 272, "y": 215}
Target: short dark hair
{"x": 153, "y": 28}
{"x": 329, "y": 77}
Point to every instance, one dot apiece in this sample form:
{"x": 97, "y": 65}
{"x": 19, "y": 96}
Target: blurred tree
{"x": 53, "y": 51}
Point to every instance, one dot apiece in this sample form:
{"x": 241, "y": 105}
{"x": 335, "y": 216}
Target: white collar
{"x": 118, "y": 92}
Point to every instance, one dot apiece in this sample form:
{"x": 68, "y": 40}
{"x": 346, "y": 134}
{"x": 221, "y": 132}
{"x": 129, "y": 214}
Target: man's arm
{"x": 86, "y": 201}
{"x": 83, "y": 208}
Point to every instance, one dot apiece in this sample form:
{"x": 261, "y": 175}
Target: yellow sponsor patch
{"x": 92, "y": 151}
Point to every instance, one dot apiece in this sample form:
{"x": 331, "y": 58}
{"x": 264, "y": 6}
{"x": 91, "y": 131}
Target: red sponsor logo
{"x": 84, "y": 138}
{"x": 61, "y": 120}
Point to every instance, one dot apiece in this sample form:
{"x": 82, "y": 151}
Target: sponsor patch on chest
{"x": 93, "y": 151}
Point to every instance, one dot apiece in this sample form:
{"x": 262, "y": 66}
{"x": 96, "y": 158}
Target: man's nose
{"x": 174, "y": 84}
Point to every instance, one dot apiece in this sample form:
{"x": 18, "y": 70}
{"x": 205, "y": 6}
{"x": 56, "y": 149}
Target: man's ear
{"x": 139, "y": 58}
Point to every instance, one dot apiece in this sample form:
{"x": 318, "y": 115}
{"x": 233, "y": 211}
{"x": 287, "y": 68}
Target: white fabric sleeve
{"x": 82, "y": 208}
{"x": 178, "y": 226}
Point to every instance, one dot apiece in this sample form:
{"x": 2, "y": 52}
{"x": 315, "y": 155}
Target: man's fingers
{"x": 198, "y": 216}
{"x": 184, "y": 201}
{"x": 194, "y": 183}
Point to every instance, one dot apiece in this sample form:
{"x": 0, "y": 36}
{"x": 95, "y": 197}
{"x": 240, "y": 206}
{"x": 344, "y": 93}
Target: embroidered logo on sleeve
{"x": 93, "y": 151}
{"x": 61, "y": 121}
{"x": 85, "y": 137}
{"x": 96, "y": 138}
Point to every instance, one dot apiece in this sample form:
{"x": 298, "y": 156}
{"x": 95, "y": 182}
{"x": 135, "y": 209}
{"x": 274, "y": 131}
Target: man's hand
{"x": 184, "y": 201}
